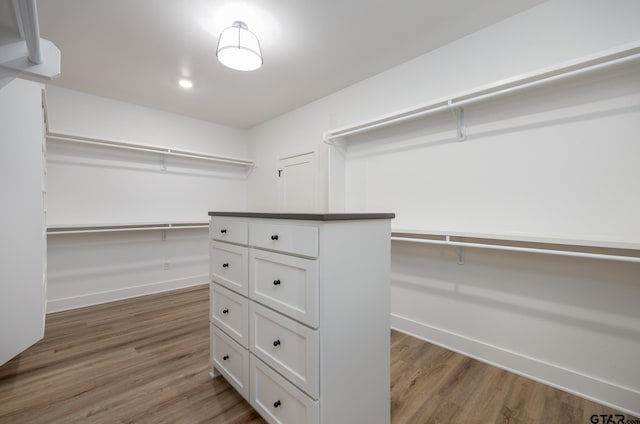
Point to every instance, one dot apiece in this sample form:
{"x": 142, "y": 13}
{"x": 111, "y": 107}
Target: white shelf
{"x": 609, "y": 58}
{"x": 585, "y": 248}
{"x": 164, "y": 151}
{"x": 123, "y": 227}
{"x": 525, "y": 238}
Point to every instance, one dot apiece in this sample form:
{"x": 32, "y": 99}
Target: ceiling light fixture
{"x": 185, "y": 83}
{"x": 239, "y": 48}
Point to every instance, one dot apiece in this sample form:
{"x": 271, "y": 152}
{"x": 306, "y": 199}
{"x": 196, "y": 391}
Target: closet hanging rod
{"x": 448, "y": 242}
{"x": 122, "y": 229}
{"x": 387, "y": 122}
{"x": 546, "y": 80}
{"x": 149, "y": 149}
{"x": 576, "y": 69}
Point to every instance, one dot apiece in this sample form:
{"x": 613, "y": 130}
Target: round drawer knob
{"x": 225, "y": 357}
{"x": 225, "y": 265}
{"x": 274, "y": 237}
{"x": 276, "y": 282}
{"x": 276, "y": 343}
{"x": 223, "y": 231}
{"x": 225, "y": 311}
{"x": 277, "y": 404}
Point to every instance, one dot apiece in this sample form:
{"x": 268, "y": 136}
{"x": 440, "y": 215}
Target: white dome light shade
{"x": 185, "y": 83}
{"x": 239, "y": 48}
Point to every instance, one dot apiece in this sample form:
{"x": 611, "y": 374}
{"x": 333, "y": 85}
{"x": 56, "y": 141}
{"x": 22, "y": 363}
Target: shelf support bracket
{"x": 337, "y": 144}
{"x": 458, "y": 115}
{"x": 164, "y": 231}
{"x": 459, "y": 251}
{"x": 460, "y": 255}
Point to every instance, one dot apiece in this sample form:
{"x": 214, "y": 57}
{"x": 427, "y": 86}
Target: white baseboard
{"x": 621, "y": 398}
{"x": 63, "y": 304}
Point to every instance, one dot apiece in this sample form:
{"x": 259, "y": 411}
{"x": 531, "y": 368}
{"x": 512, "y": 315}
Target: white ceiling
{"x": 136, "y": 50}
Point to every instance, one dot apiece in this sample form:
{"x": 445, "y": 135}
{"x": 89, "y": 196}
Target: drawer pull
{"x": 274, "y": 237}
{"x": 276, "y": 282}
{"x": 223, "y": 231}
{"x": 225, "y": 265}
{"x": 225, "y": 311}
{"x": 277, "y": 403}
{"x": 225, "y": 357}
{"x": 276, "y": 343}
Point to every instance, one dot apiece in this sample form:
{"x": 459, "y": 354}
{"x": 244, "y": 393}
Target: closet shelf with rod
{"x": 116, "y": 228}
{"x": 589, "y": 249}
{"x": 454, "y": 104}
{"x": 163, "y": 151}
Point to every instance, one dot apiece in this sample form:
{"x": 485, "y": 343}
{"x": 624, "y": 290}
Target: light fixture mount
{"x": 238, "y": 48}
{"x": 240, "y": 24}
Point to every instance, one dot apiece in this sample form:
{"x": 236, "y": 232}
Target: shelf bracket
{"x": 460, "y": 255}
{"x": 458, "y": 115}
{"x": 340, "y": 146}
{"x": 164, "y": 231}
{"x": 459, "y": 251}
{"x": 163, "y": 164}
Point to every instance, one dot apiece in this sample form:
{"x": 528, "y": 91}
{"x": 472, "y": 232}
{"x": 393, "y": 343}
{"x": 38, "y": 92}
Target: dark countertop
{"x": 307, "y": 216}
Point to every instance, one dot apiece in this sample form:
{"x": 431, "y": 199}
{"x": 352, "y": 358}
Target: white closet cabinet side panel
{"x": 22, "y": 251}
{"x": 355, "y": 321}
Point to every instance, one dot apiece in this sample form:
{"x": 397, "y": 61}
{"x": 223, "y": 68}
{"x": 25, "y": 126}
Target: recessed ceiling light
{"x": 185, "y": 83}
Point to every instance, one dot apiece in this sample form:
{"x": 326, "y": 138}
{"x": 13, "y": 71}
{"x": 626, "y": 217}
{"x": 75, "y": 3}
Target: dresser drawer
{"x": 285, "y": 283}
{"x": 296, "y": 239}
{"x": 231, "y": 359}
{"x": 277, "y": 400}
{"x": 229, "y": 230}
{"x": 287, "y": 346}
{"x": 230, "y": 266}
{"x": 230, "y": 312}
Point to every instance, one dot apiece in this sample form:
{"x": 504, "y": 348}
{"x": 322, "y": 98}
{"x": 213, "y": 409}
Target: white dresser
{"x": 299, "y": 310}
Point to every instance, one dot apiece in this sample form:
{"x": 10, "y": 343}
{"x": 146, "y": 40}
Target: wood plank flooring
{"x": 146, "y": 360}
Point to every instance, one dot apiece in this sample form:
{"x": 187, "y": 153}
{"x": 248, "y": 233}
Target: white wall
{"x": 295, "y": 133}
{"x": 93, "y": 116}
{"x": 559, "y": 161}
{"x": 89, "y": 185}
{"x": 554, "y": 162}
{"x": 87, "y": 269}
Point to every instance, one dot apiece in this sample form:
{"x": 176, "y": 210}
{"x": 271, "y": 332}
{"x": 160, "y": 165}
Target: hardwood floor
{"x": 142, "y": 360}
{"x": 146, "y": 360}
{"x": 430, "y": 384}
